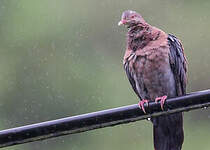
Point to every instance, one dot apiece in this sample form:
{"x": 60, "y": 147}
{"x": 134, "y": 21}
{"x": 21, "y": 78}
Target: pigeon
{"x": 156, "y": 67}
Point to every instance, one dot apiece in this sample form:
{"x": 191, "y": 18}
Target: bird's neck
{"x": 139, "y": 36}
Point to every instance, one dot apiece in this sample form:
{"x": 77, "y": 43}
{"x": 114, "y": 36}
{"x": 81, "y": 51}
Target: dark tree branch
{"x": 101, "y": 119}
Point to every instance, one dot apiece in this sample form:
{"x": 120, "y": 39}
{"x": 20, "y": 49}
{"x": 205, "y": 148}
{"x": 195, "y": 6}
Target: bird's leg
{"x": 141, "y": 104}
{"x": 162, "y": 100}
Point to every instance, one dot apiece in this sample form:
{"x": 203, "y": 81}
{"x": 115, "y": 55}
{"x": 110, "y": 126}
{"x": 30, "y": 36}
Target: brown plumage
{"x": 156, "y": 68}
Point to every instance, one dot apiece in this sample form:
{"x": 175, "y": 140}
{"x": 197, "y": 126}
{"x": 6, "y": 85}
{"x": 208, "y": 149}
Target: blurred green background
{"x": 61, "y": 58}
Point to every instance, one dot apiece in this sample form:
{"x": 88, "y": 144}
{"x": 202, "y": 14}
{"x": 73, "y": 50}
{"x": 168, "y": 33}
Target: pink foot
{"x": 162, "y": 100}
{"x": 141, "y": 104}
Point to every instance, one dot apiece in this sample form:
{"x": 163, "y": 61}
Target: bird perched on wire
{"x": 155, "y": 65}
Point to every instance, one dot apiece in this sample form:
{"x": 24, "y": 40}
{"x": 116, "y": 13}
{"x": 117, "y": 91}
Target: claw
{"x": 141, "y": 104}
{"x": 162, "y": 101}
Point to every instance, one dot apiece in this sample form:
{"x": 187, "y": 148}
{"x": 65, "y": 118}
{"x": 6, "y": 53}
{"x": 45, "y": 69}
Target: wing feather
{"x": 178, "y": 64}
{"x": 131, "y": 78}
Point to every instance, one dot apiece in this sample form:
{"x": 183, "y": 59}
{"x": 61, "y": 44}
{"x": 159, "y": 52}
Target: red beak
{"x": 122, "y": 22}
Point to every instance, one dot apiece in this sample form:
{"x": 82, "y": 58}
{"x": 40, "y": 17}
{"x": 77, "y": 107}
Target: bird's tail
{"x": 168, "y": 132}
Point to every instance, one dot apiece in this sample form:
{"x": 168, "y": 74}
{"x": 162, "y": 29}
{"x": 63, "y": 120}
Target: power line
{"x": 101, "y": 119}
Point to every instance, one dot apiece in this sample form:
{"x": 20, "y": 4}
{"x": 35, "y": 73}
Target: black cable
{"x": 101, "y": 119}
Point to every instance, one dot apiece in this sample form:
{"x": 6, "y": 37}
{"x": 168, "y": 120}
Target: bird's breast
{"x": 152, "y": 68}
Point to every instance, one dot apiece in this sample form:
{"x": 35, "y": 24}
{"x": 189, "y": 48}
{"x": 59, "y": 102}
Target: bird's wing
{"x": 130, "y": 75}
{"x": 178, "y": 64}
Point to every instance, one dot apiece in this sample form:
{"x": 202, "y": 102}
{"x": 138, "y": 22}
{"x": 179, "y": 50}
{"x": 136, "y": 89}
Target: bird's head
{"x": 131, "y": 18}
